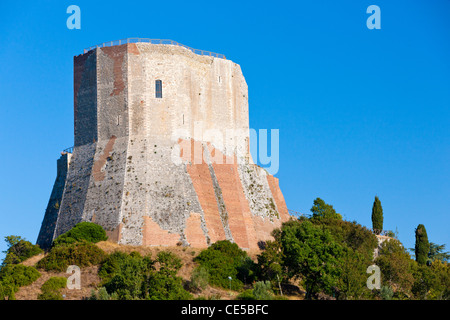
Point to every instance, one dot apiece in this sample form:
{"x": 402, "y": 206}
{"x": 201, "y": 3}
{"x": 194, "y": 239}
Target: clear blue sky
{"x": 360, "y": 112}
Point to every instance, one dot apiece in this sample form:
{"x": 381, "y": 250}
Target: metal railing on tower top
{"x": 154, "y": 41}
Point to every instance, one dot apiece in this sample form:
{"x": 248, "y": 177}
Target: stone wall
{"x": 46, "y": 233}
{"x": 164, "y": 171}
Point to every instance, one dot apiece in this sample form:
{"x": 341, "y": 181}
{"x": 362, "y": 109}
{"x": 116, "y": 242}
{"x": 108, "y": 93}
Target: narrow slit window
{"x": 158, "y": 89}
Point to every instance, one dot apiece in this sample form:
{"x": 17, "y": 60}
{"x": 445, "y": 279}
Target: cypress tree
{"x": 422, "y": 247}
{"x": 377, "y": 216}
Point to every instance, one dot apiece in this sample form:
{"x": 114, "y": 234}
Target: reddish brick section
{"x": 194, "y": 232}
{"x": 264, "y": 227}
{"x": 246, "y": 229}
{"x": 278, "y": 197}
{"x": 152, "y": 234}
{"x": 97, "y": 172}
{"x": 133, "y": 49}
{"x": 115, "y": 234}
{"x": 203, "y": 186}
{"x": 239, "y": 216}
{"x": 117, "y": 53}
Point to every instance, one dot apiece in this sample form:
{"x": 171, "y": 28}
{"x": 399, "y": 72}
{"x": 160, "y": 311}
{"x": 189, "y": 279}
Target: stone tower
{"x": 161, "y": 154}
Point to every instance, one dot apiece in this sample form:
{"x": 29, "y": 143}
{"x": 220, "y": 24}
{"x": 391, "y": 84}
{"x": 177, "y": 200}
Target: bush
{"x": 160, "y": 286}
{"x": 131, "y": 276}
{"x": 246, "y": 269}
{"x": 246, "y": 295}
{"x": 102, "y": 294}
{"x": 14, "y": 276}
{"x": 124, "y": 274}
{"x": 199, "y": 279}
{"x": 164, "y": 284}
{"x": 262, "y": 290}
{"x": 222, "y": 260}
{"x": 86, "y": 231}
{"x": 51, "y": 289}
{"x": 81, "y": 254}
{"x": 386, "y": 293}
{"x": 19, "y": 250}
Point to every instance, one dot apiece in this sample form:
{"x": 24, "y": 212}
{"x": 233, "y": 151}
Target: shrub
{"x": 7, "y": 292}
{"x": 165, "y": 284}
{"x": 87, "y": 231}
{"x": 396, "y": 266}
{"x": 51, "y": 289}
{"x": 81, "y": 254}
{"x": 124, "y": 274}
{"x": 246, "y": 295}
{"x": 131, "y": 276}
{"x": 262, "y": 290}
{"x": 169, "y": 263}
{"x": 19, "y": 250}
{"x": 14, "y": 276}
{"x": 246, "y": 269}
{"x": 19, "y": 275}
{"x": 121, "y": 263}
{"x": 199, "y": 279}
{"x": 222, "y": 260}
{"x": 386, "y": 293}
{"x": 160, "y": 286}
{"x": 102, "y": 294}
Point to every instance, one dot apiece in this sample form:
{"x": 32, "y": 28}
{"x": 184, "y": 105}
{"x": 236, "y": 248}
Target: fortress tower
{"x": 161, "y": 154}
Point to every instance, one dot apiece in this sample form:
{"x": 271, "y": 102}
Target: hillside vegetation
{"x": 320, "y": 256}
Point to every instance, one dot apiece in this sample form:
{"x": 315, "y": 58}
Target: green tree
{"x": 222, "y": 260}
{"x": 432, "y": 282}
{"x": 19, "y": 250}
{"x": 422, "y": 247}
{"x": 271, "y": 261}
{"x": 377, "y": 216}
{"x": 312, "y": 254}
{"x": 396, "y": 267}
{"x": 352, "y": 283}
{"x": 437, "y": 252}
{"x": 320, "y": 209}
{"x": 350, "y": 234}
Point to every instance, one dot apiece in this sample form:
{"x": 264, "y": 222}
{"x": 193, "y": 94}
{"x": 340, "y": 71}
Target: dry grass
{"x": 89, "y": 281}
